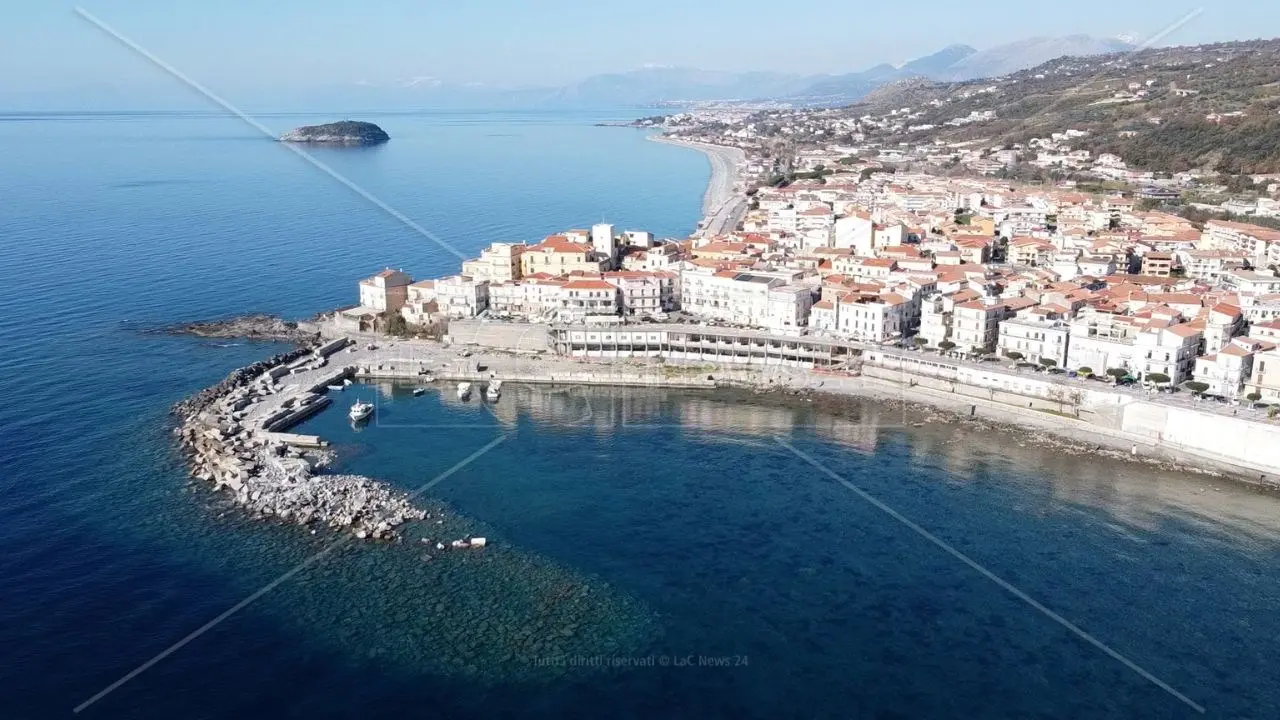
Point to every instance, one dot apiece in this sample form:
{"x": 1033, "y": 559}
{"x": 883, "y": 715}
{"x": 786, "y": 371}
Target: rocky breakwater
{"x": 230, "y": 434}
{"x": 346, "y": 132}
{"x": 248, "y": 327}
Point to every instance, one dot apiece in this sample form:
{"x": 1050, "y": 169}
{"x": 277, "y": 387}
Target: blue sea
{"x": 652, "y": 553}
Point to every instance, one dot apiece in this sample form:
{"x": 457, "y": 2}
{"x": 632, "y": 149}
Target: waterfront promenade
{"x": 1170, "y": 428}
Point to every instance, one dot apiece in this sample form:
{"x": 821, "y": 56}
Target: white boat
{"x": 418, "y": 391}
{"x": 494, "y": 390}
{"x": 360, "y": 410}
{"x": 464, "y": 390}
{"x": 338, "y": 388}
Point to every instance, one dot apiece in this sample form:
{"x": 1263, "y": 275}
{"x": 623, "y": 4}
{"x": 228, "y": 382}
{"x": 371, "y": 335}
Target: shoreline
{"x": 722, "y": 204}
{"x": 236, "y": 433}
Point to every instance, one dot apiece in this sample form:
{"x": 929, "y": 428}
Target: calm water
{"x": 626, "y": 525}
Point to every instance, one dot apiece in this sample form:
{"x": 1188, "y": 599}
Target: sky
{"x": 252, "y": 47}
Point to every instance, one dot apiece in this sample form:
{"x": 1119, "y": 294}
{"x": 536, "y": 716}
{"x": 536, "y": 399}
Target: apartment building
{"x": 498, "y": 263}
{"x": 1261, "y": 245}
{"x": 1035, "y": 339}
{"x": 530, "y": 298}
{"x": 1253, "y": 282}
{"x": 388, "y": 290}
{"x": 1102, "y": 341}
{"x": 1228, "y": 370}
{"x": 578, "y": 299}
{"x": 461, "y": 296}
{"x": 864, "y": 316}
{"x": 1209, "y": 265}
{"x": 420, "y": 306}
{"x": 645, "y": 293}
{"x": 1030, "y": 251}
{"x": 976, "y": 324}
{"x": 1157, "y": 264}
{"x": 1264, "y": 379}
{"x": 745, "y": 298}
{"x": 558, "y": 255}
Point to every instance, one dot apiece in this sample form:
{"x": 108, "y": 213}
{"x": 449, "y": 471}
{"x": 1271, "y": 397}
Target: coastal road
{"x": 725, "y": 219}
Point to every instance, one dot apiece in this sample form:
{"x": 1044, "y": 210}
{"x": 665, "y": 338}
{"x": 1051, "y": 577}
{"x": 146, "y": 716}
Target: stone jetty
{"x": 234, "y": 435}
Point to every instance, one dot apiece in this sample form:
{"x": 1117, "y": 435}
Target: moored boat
{"x": 494, "y": 390}
{"x": 360, "y": 410}
{"x": 464, "y": 390}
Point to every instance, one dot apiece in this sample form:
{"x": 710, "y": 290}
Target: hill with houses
{"x": 1211, "y": 107}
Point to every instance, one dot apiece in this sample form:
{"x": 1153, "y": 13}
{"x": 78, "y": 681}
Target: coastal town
{"x": 1083, "y": 298}
{"x": 1050, "y": 279}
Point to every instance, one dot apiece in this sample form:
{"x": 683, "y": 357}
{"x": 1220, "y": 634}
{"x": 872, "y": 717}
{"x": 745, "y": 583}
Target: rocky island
{"x": 346, "y": 132}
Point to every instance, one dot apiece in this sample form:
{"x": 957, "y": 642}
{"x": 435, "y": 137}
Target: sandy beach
{"x": 722, "y": 204}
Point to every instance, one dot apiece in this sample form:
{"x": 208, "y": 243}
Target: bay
{"x": 628, "y": 526}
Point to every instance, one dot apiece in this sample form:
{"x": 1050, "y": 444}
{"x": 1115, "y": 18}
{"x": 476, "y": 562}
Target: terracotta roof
{"x": 588, "y": 285}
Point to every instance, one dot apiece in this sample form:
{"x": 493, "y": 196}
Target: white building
{"x": 645, "y": 293}
{"x": 743, "y": 298}
{"x": 788, "y": 307}
{"x": 855, "y": 231}
{"x": 865, "y": 317}
{"x": 638, "y": 238}
{"x": 1260, "y": 244}
{"x": 498, "y": 263}
{"x": 976, "y": 324}
{"x": 528, "y": 299}
{"x": 388, "y": 290}
{"x": 1034, "y": 339}
{"x": 603, "y": 241}
{"x": 580, "y": 298}
{"x": 1227, "y": 371}
{"x": 420, "y": 305}
{"x": 1101, "y": 342}
{"x": 461, "y": 296}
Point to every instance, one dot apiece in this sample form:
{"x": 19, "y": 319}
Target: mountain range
{"x": 657, "y": 85}
{"x": 660, "y": 85}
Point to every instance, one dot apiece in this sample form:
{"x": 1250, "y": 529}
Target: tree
{"x": 1048, "y": 362}
{"x": 1198, "y": 388}
{"x": 395, "y": 324}
{"x": 1117, "y": 373}
{"x": 1086, "y": 371}
{"x": 1157, "y": 378}
{"x": 1014, "y": 355}
{"x": 919, "y": 341}
{"x": 1253, "y": 397}
{"x": 946, "y": 345}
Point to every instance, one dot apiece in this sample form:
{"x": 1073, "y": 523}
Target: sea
{"x": 651, "y": 553}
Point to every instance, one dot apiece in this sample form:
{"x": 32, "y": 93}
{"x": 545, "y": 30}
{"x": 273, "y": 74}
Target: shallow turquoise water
{"x": 626, "y": 524}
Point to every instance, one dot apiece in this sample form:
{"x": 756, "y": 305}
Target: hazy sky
{"x": 257, "y": 45}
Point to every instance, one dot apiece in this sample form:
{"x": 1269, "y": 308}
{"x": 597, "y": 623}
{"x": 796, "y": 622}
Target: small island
{"x": 346, "y": 132}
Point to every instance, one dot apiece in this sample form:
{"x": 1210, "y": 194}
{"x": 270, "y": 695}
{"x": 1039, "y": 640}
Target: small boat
{"x": 493, "y": 391}
{"x": 337, "y": 388}
{"x": 464, "y": 390}
{"x": 360, "y": 410}
{"x": 417, "y": 392}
